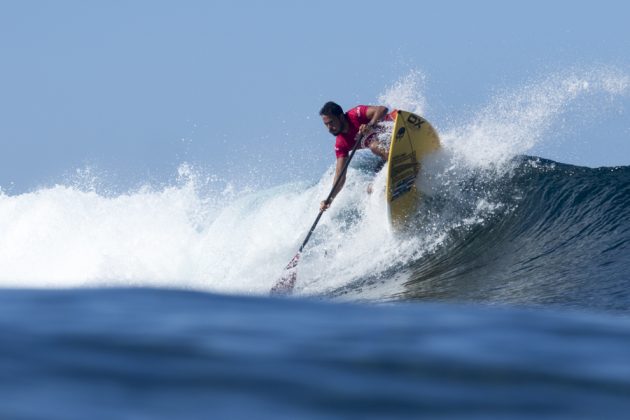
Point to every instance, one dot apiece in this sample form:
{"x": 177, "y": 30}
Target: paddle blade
{"x": 284, "y": 286}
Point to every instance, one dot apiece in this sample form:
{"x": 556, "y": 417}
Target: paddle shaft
{"x": 335, "y": 185}
{"x": 285, "y": 285}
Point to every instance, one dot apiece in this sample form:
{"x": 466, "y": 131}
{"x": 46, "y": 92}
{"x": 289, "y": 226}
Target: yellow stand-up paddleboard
{"x": 413, "y": 138}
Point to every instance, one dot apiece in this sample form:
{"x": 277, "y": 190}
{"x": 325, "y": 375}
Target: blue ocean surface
{"x": 146, "y": 353}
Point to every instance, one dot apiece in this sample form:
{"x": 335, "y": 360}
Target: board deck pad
{"x": 413, "y": 138}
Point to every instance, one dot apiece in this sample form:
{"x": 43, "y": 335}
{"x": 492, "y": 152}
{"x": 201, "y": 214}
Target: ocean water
{"x": 508, "y": 298}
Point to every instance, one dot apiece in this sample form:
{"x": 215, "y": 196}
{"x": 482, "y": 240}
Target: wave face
{"x": 546, "y": 233}
{"x": 494, "y": 225}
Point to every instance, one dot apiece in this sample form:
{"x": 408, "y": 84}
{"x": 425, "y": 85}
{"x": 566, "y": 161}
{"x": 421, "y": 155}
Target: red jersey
{"x": 345, "y": 141}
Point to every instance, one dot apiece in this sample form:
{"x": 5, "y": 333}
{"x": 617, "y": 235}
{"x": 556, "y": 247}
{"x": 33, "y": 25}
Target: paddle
{"x": 284, "y": 286}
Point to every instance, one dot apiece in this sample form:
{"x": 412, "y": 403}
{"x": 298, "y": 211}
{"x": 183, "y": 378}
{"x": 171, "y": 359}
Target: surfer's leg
{"x": 377, "y": 148}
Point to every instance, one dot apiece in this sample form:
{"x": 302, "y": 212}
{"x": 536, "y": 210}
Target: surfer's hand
{"x": 365, "y": 129}
{"x": 323, "y": 206}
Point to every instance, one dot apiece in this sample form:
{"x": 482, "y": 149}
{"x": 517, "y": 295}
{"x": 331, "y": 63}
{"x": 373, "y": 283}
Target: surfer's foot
{"x": 369, "y": 188}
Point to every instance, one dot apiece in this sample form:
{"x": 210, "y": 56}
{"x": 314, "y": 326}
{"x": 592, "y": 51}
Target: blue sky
{"x": 135, "y": 88}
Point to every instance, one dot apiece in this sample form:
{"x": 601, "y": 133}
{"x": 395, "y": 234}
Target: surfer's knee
{"x": 377, "y": 148}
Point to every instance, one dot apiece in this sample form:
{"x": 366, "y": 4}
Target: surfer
{"x": 358, "y": 124}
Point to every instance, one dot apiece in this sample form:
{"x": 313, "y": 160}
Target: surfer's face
{"x": 333, "y": 124}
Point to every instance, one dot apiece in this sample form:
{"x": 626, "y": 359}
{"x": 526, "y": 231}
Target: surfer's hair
{"x": 331, "y": 109}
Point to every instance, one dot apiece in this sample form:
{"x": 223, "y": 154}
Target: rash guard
{"x": 345, "y": 141}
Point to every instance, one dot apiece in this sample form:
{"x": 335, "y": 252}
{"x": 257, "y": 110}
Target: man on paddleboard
{"x": 358, "y": 124}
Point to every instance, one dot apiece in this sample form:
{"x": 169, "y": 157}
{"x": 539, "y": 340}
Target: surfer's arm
{"x": 341, "y": 161}
{"x": 375, "y": 114}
